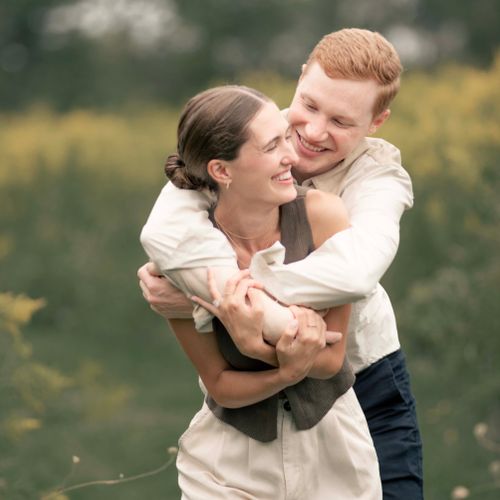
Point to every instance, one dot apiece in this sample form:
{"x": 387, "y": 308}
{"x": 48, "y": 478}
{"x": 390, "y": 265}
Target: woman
{"x": 284, "y": 423}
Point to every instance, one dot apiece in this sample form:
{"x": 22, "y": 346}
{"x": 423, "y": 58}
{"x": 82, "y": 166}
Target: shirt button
{"x": 286, "y": 405}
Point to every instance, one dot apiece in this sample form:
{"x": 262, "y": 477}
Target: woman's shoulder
{"x": 326, "y": 213}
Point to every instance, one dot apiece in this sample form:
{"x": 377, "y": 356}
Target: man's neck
{"x": 300, "y": 178}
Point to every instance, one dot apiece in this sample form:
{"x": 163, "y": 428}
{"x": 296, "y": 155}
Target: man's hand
{"x": 164, "y": 298}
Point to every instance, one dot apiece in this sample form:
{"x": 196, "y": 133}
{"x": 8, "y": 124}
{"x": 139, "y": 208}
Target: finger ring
{"x": 216, "y": 302}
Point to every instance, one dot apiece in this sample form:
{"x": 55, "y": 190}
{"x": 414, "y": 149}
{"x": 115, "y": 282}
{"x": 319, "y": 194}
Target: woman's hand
{"x": 239, "y": 308}
{"x": 300, "y": 344}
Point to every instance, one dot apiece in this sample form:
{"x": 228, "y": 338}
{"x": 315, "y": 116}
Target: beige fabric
{"x": 333, "y": 460}
{"x": 181, "y": 241}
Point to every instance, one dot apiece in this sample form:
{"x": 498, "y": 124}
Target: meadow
{"x": 88, "y": 371}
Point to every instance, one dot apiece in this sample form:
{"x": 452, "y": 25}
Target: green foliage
{"x": 107, "y": 382}
{"x": 31, "y": 391}
{"x": 202, "y": 41}
{"x": 33, "y": 384}
{"x": 446, "y": 278}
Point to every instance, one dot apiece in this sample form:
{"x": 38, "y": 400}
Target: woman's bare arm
{"x": 327, "y": 216}
{"x": 232, "y": 388}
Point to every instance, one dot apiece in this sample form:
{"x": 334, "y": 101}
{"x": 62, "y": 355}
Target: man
{"x": 343, "y": 96}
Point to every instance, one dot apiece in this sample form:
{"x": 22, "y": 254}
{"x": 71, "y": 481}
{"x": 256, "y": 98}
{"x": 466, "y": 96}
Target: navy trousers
{"x": 383, "y": 390}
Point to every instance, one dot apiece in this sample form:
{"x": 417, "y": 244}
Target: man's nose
{"x": 315, "y": 131}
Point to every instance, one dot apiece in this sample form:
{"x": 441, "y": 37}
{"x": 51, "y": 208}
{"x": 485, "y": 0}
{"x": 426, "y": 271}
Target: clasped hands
{"x": 240, "y": 310}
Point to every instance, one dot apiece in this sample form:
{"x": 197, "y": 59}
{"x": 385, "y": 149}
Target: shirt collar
{"x": 328, "y": 179}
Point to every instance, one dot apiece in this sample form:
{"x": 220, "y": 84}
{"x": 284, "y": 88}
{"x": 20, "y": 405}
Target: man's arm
{"x": 182, "y": 243}
{"x": 349, "y": 265}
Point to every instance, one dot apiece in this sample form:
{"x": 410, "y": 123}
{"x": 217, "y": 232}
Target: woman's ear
{"x": 220, "y": 172}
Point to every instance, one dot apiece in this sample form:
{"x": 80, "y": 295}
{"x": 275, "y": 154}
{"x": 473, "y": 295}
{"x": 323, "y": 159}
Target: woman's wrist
{"x": 257, "y": 348}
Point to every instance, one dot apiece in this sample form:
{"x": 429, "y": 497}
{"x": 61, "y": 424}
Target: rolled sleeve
{"x": 179, "y": 235}
{"x": 349, "y": 265}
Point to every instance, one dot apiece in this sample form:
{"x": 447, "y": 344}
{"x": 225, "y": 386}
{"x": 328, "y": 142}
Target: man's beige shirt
{"x": 376, "y": 190}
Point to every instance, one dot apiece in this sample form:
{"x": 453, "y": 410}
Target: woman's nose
{"x": 291, "y": 157}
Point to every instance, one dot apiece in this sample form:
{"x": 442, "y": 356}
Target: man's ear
{"x": 220, "y": 171}
{"x": 379, "y": 120}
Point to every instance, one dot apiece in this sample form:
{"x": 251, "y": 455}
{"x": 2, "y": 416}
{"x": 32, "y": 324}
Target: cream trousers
{"x": 333, "y": 460}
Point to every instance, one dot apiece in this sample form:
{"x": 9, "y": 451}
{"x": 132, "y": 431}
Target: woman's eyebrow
{"x": 274, "y": 139}
{"x": 278, "y": 137}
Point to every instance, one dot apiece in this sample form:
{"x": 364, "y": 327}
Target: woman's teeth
{"x": 283, "y": 177}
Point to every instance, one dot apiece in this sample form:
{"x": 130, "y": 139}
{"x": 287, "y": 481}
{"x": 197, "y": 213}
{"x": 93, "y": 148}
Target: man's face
{"x": 329, "y": 117}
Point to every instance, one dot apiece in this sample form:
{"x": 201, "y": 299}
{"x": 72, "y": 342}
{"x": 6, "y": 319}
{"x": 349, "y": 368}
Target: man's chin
{"x": 308, "y": 169}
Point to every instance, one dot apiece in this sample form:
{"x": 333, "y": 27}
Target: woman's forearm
{"x": 229, "y": 387}
{"x": 329, "y": 360}
{"x": 235, "y": 389}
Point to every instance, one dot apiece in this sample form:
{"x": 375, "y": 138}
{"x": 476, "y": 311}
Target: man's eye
{"x": 340, "y": 124}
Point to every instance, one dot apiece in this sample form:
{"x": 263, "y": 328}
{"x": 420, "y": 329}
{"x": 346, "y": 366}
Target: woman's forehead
{"x": 268, "y": 123}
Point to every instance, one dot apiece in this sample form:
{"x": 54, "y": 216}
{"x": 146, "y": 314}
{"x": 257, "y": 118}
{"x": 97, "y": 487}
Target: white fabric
{"x": 335, "y": 459}
{"x": 376, "y": 190}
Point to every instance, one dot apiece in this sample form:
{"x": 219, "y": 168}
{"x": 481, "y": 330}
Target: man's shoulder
{"x": 378, "y": 166}
{"x": 377, "y": 158}
{"x": 379, "y": 151}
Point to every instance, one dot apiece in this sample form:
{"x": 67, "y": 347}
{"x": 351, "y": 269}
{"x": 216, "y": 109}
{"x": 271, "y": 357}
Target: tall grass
{"x": 75, "y": 190}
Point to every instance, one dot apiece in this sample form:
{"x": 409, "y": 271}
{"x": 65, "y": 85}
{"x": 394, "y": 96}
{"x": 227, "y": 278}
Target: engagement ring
{"x": 216, "y": 303}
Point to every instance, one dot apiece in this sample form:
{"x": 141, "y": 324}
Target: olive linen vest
{"x": 310, "y": 399}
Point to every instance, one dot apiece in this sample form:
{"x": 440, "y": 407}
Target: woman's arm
{"x": 232, "y": 388}
{"x": 329, "y": 360}
{"x": 327, "y": 216}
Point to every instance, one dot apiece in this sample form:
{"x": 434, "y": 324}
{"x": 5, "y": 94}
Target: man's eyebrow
{"x": 305, "y": 95}
{"x": 339, "y": 116}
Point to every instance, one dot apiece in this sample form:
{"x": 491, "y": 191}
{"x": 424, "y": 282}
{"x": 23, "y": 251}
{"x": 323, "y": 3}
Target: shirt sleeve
{"x": 179, "y": 235}
{"x": 182, "y": 242}
{"x": 348, "y": 266}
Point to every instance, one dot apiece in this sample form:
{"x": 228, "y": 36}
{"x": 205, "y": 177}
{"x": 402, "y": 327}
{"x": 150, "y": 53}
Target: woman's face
{"x": 262, "y": 171}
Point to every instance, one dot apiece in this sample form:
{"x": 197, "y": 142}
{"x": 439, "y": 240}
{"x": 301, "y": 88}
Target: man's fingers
{"x": 233, "y": 282}
{"x": 207, "y": 305}
{"x": 333, "y": 337}
{"x": 243, "y": 288}
{"x": 255, "y": 297}
{"x": 212, "y": 285}
{"x": 148, "y": 270}
{"x": 153, "y": 270}
{"x": 144, "y": 289}
{"x": 142, "y": 271}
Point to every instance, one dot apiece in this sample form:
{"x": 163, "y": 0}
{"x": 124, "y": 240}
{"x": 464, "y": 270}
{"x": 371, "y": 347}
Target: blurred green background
{"x": 90, "y": 91}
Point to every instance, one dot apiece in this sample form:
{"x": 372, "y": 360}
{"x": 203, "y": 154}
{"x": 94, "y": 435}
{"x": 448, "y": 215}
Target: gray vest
{"x": 310, "y": 399}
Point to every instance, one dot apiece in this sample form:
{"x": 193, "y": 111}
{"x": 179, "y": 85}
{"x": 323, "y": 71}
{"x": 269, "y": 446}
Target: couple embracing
{"x": 295, "y": 214}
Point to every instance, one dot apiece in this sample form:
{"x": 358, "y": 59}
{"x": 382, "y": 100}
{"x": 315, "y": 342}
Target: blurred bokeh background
{"x": 90, "y": 91}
